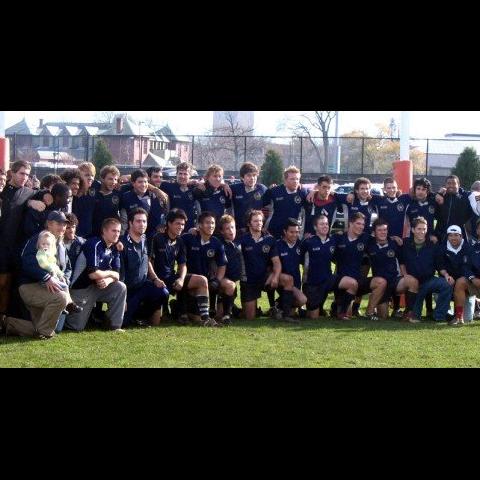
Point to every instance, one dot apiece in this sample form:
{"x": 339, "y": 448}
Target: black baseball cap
{"x": 57, "y": 216}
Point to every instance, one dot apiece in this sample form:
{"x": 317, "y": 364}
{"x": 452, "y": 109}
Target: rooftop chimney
{"x": 40, "y": 123}
{"x": 119, "y": 124}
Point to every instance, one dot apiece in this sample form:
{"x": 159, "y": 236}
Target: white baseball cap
{"x": 454, "y": 229}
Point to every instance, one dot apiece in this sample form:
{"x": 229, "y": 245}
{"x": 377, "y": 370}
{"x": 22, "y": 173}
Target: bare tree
{"x": 316, "y": 125}
{"x": 104, "y": 117}
{"x": 149, "y": 122}
{"x": 236, "y": 140}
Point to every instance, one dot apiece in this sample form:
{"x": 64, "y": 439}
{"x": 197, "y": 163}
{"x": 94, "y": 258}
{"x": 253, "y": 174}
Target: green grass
{"x": 261, "y": 343}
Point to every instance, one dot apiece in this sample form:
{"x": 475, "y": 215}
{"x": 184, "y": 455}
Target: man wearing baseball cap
{"x": 458, "y": 269}
{"x": 42, "y": 296}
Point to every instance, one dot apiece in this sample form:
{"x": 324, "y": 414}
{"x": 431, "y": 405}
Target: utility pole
{"x": 403, "y": 169}
{"x": 337, "y": 143}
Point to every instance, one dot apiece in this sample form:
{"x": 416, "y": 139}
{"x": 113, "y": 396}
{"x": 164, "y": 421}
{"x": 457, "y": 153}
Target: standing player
{"x": 285, "y": 201}
{"x": 180, "y": 194}
{"x": 246, "y": 195}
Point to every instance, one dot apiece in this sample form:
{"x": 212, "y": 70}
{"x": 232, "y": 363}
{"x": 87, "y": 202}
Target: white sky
{"x": 422, "y": 124}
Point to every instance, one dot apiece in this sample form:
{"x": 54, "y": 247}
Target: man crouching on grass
{"x": 233, "y": 273}
{"x": 290, "y": 256}
{"x": 259, "y": 252}
{"x": 97, "y": 279}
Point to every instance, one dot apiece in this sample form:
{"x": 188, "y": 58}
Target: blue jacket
{"x": 31, "y": 270}
{"x": 75, "y": 250}
{"x": 475, "y": 257}
{"x": 134, "y": 258}
{"x": 421, "y": 264}
{"x": 457, "y": 264}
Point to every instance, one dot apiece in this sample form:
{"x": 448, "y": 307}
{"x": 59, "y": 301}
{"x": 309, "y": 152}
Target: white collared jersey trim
{"x": 96, "y": 256}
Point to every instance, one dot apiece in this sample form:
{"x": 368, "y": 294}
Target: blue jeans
{"x": 444, "y": 297}
{"x": 60, "y": 323}
{"x": 147, "y": 292}
{"x": 469, "y": 309}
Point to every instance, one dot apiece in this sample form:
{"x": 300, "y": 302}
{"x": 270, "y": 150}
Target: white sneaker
{"x": 118, "y": 330}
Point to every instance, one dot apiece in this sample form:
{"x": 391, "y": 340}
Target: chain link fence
{"x": 313, "y": 155}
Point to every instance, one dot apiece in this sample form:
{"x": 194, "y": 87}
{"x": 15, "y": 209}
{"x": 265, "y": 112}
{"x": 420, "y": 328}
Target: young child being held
{"x": 46, "y": 258}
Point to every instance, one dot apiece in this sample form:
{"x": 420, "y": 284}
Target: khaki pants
{"x": 45, "y": 308}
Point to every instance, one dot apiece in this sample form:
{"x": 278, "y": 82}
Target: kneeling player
{"x": 350, "y": 250}
{"x": 317, "y": 255}
{"x": 167, "y": 249}
{"x": 384, "y": 257}
{"x": 233, "y": 273}
{"x": 259, "y": 252}
{"x": 290, "y": 255}
{"x": 206, "y": 257}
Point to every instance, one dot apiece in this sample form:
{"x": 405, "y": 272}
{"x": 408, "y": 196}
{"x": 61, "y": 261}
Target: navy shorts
{"x": 251, "y": 291}
{"x": 391, "y": 289}
{"x": 317, "y": 294}
{"x": 364, "y": 286}
{"x": 169, "y": 281}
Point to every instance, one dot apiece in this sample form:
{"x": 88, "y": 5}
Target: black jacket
{"x": 456, "y": 210}
{"x": 11, "y": 221}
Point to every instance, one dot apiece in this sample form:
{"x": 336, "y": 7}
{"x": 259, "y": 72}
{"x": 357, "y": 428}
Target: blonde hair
{"x": 87, "y": 167}
{"x": 291, "y": 169}
{"x": 46, "y": 234}
{"x": 109, "y": 169}
{"x": 213, "y": 169}
{"x": 225, "y": 220}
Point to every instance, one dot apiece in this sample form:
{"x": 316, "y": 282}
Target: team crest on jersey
{"x": 266, "y": 249}
{"x": 360, "y": 247}
{"x": 210, "y": 253}
{"x": 298, "y": 200}
{"x": 332, "y": 249}
{"x": 400, "y": 207}
{"x": 257, "y": 196}
{"x": 92, "y": 192}
{"x": 115, "y": 200}
{"x": 222, "y": 199}
{"x": 431, "y": 209}
{"x": 370, "y": 210}
{"x": 298, "y": 250}
{"x": 190, "y": 195}
{"x": 390, "y": 254}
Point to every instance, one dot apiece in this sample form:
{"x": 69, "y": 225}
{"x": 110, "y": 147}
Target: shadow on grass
{"x": 349, "y": 325}
{"x": 359, "y": 325}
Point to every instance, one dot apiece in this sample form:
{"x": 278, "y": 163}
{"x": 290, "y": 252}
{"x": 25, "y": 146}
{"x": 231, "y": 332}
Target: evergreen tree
{"x": 467, "y": 168}
{"x": 102, "y": 156}
{"x": 272, "y": 169}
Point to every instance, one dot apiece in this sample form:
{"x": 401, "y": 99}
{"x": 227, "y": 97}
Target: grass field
{"x": 261, "y": 343}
